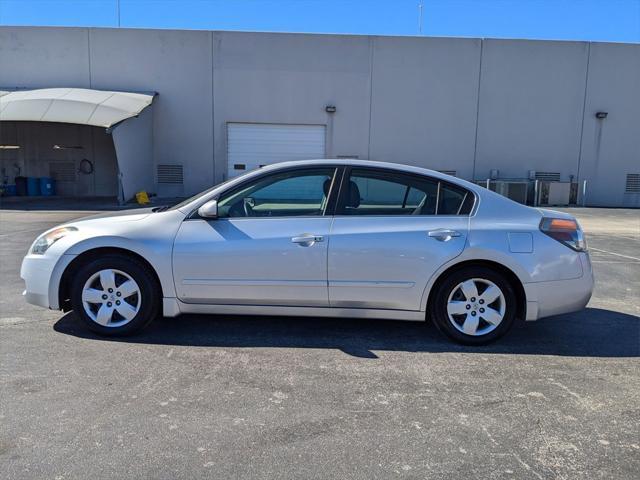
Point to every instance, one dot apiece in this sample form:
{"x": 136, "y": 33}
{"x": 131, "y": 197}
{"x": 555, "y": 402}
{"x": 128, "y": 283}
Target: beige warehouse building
{"x": 220, "y": 103}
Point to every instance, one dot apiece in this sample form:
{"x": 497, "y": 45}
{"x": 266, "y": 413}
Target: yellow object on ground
{"x": 142, "y": 198}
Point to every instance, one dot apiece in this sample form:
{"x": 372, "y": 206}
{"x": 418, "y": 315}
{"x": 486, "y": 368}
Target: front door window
{"x": 294, "y": 193}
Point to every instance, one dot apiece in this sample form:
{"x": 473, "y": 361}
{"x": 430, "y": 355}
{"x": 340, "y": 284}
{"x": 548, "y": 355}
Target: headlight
{"x": 43, "y": 242}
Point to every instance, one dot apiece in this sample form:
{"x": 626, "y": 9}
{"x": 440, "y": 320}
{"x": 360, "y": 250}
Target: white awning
{"x": 82, "y": 106}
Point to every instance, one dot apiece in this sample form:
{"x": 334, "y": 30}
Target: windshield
{"x": 197, "y": 195}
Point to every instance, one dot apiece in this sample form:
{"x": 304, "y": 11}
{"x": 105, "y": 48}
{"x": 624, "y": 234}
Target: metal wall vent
{"x": 633, "y": 183}
{"x": 62, "y": 171}
{"x": 548, "y": 176}
{"x": 448, "y": 172}
{"x": 170, "y": 174}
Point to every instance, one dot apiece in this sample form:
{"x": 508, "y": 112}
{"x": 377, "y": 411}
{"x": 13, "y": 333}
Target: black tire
{"x": 438, "y": 305}
{"x": 150, "y": 293}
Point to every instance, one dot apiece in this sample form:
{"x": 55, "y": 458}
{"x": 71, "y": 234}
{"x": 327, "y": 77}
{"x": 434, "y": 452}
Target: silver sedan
{"x": 348, "y": 238}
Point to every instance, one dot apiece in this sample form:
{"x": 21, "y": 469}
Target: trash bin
{"x": 9, "y": 190}
{"x": 21, "y": 186}
{"x": 33, "y": 186}
{"x": 47, "y": 186}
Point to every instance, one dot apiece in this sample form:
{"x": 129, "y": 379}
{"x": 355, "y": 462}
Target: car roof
{"x": 480, "y": 191}
{"x": 369, "y": 163}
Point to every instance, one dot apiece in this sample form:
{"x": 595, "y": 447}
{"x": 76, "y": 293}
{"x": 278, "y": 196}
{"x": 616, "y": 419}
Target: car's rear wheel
{"x": 115, "y": 295}
{"x": 474, "y": 305}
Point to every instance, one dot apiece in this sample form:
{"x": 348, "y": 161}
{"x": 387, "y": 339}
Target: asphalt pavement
{"x": 248, "y": 397}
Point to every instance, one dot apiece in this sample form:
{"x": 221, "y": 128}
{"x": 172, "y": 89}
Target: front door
{"x": 268, "y": 246}
{"x": 392, "y": 231}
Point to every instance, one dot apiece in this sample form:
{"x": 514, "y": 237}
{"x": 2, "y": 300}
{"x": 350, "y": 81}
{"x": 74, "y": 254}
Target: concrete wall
{"x": 611, "y": 147}
{"x": 468, "y": 105}
{"x": 44, "y": 57}
{"x": 286, "y": 78}
{"x": 177, "y": 65}
{"x": 530, "y": 110}
{"x": 133, "y": 142}
{"x": 424, "y": 102}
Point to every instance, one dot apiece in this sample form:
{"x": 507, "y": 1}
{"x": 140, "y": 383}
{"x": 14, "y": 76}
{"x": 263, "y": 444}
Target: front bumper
{"x": 41, "y": 275}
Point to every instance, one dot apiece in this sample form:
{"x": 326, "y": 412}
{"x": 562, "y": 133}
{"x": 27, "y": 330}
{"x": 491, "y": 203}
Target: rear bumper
{"x": 545, "y": 299}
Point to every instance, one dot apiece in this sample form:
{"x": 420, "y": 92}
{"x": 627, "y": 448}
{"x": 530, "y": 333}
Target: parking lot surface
{"x": 247, "y": 397}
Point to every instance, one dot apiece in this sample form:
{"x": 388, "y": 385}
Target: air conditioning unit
{"x": 554, "y": 193}
{"x": 516, "y": 190}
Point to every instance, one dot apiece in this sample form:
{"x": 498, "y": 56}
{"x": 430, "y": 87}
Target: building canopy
{"x": 132, "y": 139}
{"x": 72, "y": 105}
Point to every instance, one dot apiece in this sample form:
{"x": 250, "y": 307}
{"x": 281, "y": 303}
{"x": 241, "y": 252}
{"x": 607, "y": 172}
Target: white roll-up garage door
{"x": 252, "y": 145}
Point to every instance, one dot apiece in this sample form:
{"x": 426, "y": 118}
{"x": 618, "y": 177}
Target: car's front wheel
{"x": 115, "y": 295}
{"x": 474, "y": 305}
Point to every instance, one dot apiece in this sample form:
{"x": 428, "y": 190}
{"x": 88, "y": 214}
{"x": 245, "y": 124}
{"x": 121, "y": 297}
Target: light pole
{"x": 420, "y": 9}
{"x": 118, "y": 11}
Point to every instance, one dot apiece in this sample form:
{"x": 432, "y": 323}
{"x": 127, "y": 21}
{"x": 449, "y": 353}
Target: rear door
{"x": 391, "y": 232}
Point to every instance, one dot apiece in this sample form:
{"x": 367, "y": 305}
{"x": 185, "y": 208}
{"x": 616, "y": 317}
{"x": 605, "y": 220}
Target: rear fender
{"x": 478, "y": 255}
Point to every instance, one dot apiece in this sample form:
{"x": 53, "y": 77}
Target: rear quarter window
{"x": 454, "y": 200}
{"x": 371, "y": 191}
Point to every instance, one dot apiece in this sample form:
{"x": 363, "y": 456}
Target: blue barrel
{"x": 33, "y": 186}
{"x": 21, "y": 186}
{"x": 9, "y": 190}
{"x": 47, "y": 186}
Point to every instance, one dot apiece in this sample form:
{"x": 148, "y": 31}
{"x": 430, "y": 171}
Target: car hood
{"x": 130, "y": 229}
{"x": 130, "y": 215}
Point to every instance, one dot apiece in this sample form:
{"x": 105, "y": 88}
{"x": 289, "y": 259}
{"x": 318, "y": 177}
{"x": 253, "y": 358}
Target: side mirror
{"x": 209, "y": 209}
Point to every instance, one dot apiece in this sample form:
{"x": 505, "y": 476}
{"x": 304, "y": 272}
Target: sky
{"x": 595, "y": 20}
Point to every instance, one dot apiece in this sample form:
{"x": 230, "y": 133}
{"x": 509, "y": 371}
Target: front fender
{"x": 158, "y": 254}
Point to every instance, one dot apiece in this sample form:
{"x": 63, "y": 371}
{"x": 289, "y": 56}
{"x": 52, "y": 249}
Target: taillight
{"x": 565, "y": 231}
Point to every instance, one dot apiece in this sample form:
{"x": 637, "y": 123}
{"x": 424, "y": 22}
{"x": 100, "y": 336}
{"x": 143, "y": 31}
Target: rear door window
{"x": 384, "y": 192}
{"x": 371, "y": 192}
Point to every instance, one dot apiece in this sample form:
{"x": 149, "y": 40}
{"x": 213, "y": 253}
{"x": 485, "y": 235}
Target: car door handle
{"x": 306, "y": 240}
{"x": 443, "y": 234}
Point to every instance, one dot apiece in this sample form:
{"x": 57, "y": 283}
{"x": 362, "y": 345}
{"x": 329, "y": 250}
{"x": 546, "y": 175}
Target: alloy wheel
{"x": 476, "y": 306}
{"x": 111, "y": 298}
